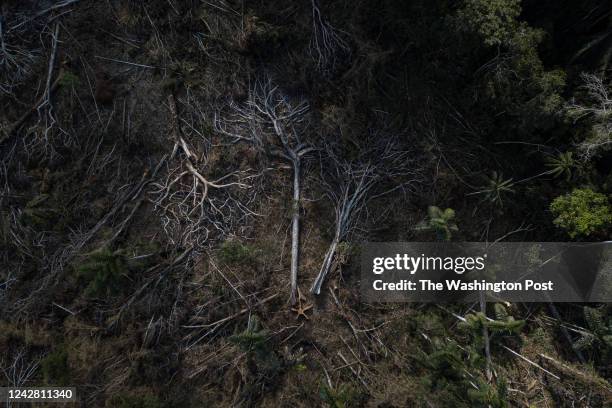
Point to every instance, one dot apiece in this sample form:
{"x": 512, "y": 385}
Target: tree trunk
{"x": 326, "y": 266}
{"x": 485, "y": 335}
{"x": 295, "y": 229}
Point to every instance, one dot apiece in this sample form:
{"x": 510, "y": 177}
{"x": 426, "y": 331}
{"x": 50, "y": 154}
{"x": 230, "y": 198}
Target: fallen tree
{"x": 351, "y": 184}
{"x": 270, "y": 121}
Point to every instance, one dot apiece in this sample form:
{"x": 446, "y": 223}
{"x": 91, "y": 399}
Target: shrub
{"x": 583, "y": 212}
{"x": 440, "y": 221}
{"x": 103, "y": 270}
{"x": 253, "y": 339}
{"x": 262, "y": 362}
{"x": 446, "y": 367}
{"x": 599, "y": 338}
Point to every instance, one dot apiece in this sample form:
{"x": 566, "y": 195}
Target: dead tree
{"x": 348, "y": 196}
{"x": 272, "y": 123}
{"x": 21, "y": 24}
{"x": 17, "y": 53}
{"x": 192, "y": 205}
{"x": 351, "y": 184}
{"x": 20, "y": 370}
{"x": 45, "y": 109}
{"x": 326, "y": 44}
{"x": 598, "y": 111}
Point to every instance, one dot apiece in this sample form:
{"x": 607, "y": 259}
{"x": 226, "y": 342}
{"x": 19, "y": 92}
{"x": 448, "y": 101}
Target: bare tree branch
{"x": 190, "y": 212}
{"x": 327, "y": 47}
{"x": 350, "y": 185}
{"x": 598, "y": 110}
{"x": 269, "y": 121}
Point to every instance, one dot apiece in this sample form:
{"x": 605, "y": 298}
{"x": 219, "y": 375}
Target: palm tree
{"x": 561, "y": 165}
{"x": 495, "y": 187}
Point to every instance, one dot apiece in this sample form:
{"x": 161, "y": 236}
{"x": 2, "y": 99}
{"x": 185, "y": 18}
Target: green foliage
{"x": 488, "y": 395}
{"x": 562, "y": 165}
{"x": 475, "y": 322}
{"x": 495, "y": 188}
{"x": 501, "y": 313}
{"x": 596, "y": 320}
{"x": 453, "y": 371}
{"x": 252, "y": 339}
{"x": 236, "y": 253}
{"x": 548, "y": 86}
{"x": 600, "y": 338}
{"x": 133, "y": 401}
{"x": 339, "y": 397}
{"x": 494, "y": 20}
{"x": 581, "y": 213}
{"x": 514, "y": 81}
{"x": 54, "y": 368}
{"x": 429, "y": 323}
{"x": 446, "y": 361}
{"x": 104, "y": 272}
{"x": 440, "y": 221}
{"x": 535, "y": 91}
{"x": 263, "y": 363}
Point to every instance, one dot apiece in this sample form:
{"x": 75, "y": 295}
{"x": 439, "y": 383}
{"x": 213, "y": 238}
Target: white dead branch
{"x": 350, "y": 185}
{"x": 193, "y": 206}
{"x": 326, "y": 44}
{"x": 598, "y": 110}
{"x": 269, "y": 120}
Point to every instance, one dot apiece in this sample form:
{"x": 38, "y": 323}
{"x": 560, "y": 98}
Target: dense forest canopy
{"x": 185, "y": 185}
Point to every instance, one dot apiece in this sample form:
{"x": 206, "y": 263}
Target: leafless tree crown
{"x": 598, "y": 110}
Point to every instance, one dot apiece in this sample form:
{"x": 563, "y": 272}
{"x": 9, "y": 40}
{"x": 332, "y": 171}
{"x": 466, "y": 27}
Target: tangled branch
{"x": 350, "y": 185}
{"x": 327, "y": 47}
{"x": 269, "y": 121}
{"x": 190, "y": 210}
{"x": 598, "y": 110}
